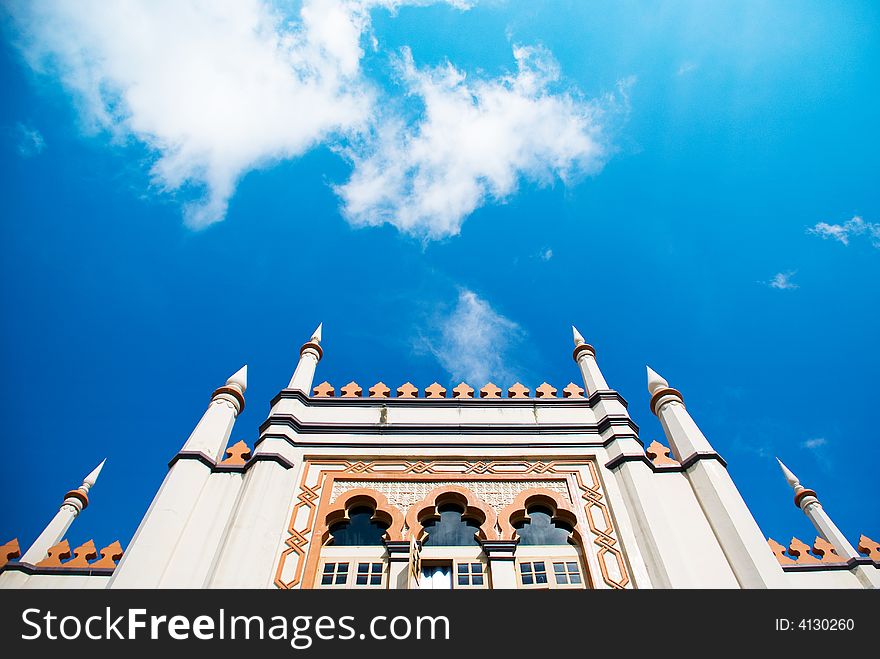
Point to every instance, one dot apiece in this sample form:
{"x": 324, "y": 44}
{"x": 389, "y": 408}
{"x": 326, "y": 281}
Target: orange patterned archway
{"x": 474, "y": 508}
{"x": 362, "y": 496}
{"x": 517, "y": 511}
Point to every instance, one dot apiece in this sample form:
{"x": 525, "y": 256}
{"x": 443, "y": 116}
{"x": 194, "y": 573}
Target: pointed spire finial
{"x": 578, "y": 339}
{"x": 655, "y": 381}
{"x": 89, "y": 481}
{"x": 239, "y": 379}
{"x": 316, "y": 335}
{"x": 789, "y": 476}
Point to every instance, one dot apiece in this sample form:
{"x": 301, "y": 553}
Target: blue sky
{"x": 448, "y": 187}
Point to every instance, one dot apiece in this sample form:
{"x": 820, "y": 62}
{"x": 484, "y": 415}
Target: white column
{"x": 157, "y": 536}
{"x": 501, "y": 555}
{"x": 585, "y": 356}
{"x": 254, "y": 536}
{"x": 74, "y": 503}
{"x": 731, "y": 520}
{"x": 309, "y": 356}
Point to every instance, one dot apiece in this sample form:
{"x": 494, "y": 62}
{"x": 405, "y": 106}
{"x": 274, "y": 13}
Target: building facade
{"x": 435, "y": 489}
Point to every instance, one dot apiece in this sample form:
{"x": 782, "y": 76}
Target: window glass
{"x": 470, "y": 574}
{"x": 369, "y": 574}
{"x": 358, "y": 530}
{"x": 334, "y": 574}
{"x": 450, "y": 529}
{"x": 539, "y": 529}
{"x": 533, "y": 573}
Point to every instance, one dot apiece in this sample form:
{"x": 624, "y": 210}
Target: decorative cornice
{"x": 821, "y": 567}
{"x": 27, "y": 568}
{"x": 80, "y": 496}
{"x": 684, "y": 466}
{"x": 360, "y": 446}
{"x": 606, "y": 423}
{"x": 231, "y": 391}
{"x": 314, "y": 346}
{"x": 800, "y": 496}
{"x": 219, "y": 467}
{"x": 660, "y": 393}
{"x": 583, "y": 347}
{"x": 592, "y": 401}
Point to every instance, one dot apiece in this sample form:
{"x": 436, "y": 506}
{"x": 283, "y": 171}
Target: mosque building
{"x": 437, "y": 489}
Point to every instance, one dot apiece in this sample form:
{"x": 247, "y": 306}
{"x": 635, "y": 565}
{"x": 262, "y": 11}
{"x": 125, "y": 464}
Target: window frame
{"x": 550, "y": 571}
{"x": 470, "y": 562}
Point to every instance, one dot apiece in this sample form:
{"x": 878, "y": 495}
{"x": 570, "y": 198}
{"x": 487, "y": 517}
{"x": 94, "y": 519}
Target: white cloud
{"x": 30, "y": 141}
{"x": 814, "y": 443}
{"x": 214, "y": 88}
{"x": 843, "y": 232}
{"x": 685, "y": 68}
{"x": 473, "y": 341}
{"x": 782, "y": 281}
{"x": 546, "y": 255}
{"x": 475, "y": 140}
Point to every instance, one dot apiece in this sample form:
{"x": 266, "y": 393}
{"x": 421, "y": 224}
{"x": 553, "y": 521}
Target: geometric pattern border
{"x": 289, "y": 573}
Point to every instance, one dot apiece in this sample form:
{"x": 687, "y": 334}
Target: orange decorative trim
{"x": 231, "y": 391}
{"x": 352, "y": 390}
{"x": 546, "y": 391}
{"x": 316, "y": 486}
{"x": 659, "y": 455}
{"x": 379, "y": 390}
{"x": 55, "y": 555}
{"x": 779, "y": 552}
{"x": 490, "y": 391}
{"x": 407, "y": 390}
{"x": 315, "y": 346}
{"x": 518, "y": 391}
{"x": 436, "y": 390}
{"x": 573, "y": 391}
{"x": 823, "y": 552}
{"x": 237, "y": 454}
{"x": 800, "y": 496}
{"x": 869, "y": 548}
{"x": 110, "y": 555}
{"x": 80, "y": 496}
{"x": 11, "y": 551}
{"x": 324, "y": 390}
{"x": 826, "y": 551}
{"x": 665, "y": 391}
{"x": 474, "y": 508}
{"x": 82, "y": 555}
{"x": 583, "y": 347}
{"x": 463, "y": 391}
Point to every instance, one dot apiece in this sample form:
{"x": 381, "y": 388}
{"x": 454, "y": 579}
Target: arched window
{"x": 541, "y": 529}
{"x": 449, "y": 528}
{"x": 360, "y": 529}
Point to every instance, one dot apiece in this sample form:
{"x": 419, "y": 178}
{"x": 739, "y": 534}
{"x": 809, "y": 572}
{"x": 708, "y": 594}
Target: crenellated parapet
{"x": 60, "y": 559}
{"x": 435, "y": 390}
{"x": 799, "y": 554}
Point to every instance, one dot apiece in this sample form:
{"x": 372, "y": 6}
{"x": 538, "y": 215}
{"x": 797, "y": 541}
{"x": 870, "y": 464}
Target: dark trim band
{"x": 665, "y": 391}
{"x": 802, "y": 494}
{"x": 682, "y": 467}
{"x": 232, "y": 391}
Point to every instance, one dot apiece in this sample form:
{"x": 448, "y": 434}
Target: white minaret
{"x": 154, "y": 542}
{"x": 212, "y": 433}
{"x": 806, "y": 500}
{"x": 74, "y": 503}
{"x": 731, "y": 520}
{"x": 585, "y": 356}
{"x": 309, "y": 356}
